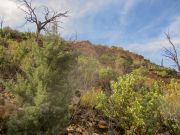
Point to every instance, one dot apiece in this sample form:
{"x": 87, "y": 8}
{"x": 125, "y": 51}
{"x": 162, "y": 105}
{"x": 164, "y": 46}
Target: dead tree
{"x": 162, "y": 62}
{"x": 1, "y": 25}
{"x": 171, "y": 53}
{"x": 41, "y": 20}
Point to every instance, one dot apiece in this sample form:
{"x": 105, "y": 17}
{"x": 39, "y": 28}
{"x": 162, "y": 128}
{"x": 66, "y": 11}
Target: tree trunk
{"x": 38, "y": 38}
{"x": 178, "y": 66}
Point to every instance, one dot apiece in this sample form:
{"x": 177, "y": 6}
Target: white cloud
{"x": 10, "y": 12}
{"x": 156, "y": 44}
{"x": 153, "y": 48}
{"x": 78, "y": 8}
{"x": 173, "y": 28}
{"x": 128, "y": 5}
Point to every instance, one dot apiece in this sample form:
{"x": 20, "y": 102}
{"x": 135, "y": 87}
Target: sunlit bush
{"x": 107, "y": 58}
{"x": 133, "y": 106}
{"x": 170, "y": 109}
{"x": 123, "y": 64}
{"x": 9, "y": 33}
{"x": 162, "y": 71}
{"x": 91, "y": 97}
{"x": 105, "y": 76}
{"x": 87, "y": 72}
{"x": 106, "y": 73}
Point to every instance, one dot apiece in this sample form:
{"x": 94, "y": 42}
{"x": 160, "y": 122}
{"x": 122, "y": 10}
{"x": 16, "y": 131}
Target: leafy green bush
{"x": 105, "y": 76}
{"x": 44, "y": 92}
{"x": 8, "y": 68}
{"x": 163, "y": 72}
{"x": 141, "y": 71}
{"x": 87, "y": 72}
{"x": 106, "y": 73}
{"x": 82, "y": 60}
{"x": 107, "y": 58}
{"x": 124, "y": 64}
{"x": 91, "y": 97}
{"x": 4, "y": 42}
{"x": 132, "y": 106}
{"x": 170, "y": 109}
{"x": 9, "y": 33}
{"x": 21, "y": 52}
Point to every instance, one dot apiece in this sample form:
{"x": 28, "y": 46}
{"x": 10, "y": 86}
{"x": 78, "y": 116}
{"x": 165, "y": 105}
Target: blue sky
{"x": 138, "y": 28}
{"x": 135, "y": 25}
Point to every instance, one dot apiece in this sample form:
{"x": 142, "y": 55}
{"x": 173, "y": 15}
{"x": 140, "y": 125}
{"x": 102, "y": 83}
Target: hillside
{"x": 119, "y": 59}
{"x": 85, "y": 81}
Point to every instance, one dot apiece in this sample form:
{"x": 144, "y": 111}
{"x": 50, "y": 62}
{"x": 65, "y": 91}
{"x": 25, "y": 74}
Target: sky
{"x": 135, "y": 25}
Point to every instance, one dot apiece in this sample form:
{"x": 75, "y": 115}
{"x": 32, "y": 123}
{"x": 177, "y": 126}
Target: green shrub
{"x": 106, "y": 73}
{"x": 132, "y": 106}
{"x": 9, "y": 33}
{"x": 4, "y": 42}
{"x": 163, "y": 71}
{"x": 141, "y": 71}
{"x": 105, "y": 76}
{"x": 82, "y": 60}
{"x": 170, "y": 109}
{"x": 21, "y": 51}
{"x": 8, "y": 68}
{"x": 87, "y": 72}
{"x": 124, "y": 64}
{"x": 44, "y": 93}
{"x": 91, "y": 97}
{"x": 107, "y": 58}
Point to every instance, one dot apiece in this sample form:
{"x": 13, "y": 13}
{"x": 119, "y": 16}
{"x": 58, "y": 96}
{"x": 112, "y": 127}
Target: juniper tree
{"x": 45, "y": 94}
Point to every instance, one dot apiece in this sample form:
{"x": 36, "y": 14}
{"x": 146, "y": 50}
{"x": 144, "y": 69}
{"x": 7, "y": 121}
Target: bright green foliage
{"x": 9, "y": 33}
{"x": 123, "y": 64}
{"x": 106, "y": 73}
{"x": 82, "y": 60}
{"x": 131, "y": 106}
{"x": 105, "y": 76}
{"x": 107, "y": 58}
{"x": 141, "y": 71}
{"x": 21, "y": 51}
{"x": 4, "y": 42}
{"x": 44, "y": 92}
{"x": 170, "y": 109}
{"x": 91, "y": 97}
{"x": 163, "y": 71}
{"x": 7, "y": 66}
{"x": 87, "y": 72}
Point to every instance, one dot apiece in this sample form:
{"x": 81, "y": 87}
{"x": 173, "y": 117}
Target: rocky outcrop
{"x": 89, "y": 121}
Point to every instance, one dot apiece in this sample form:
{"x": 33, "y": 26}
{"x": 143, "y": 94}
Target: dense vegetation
{"x": 137, "y": 107}
{"x": 48, "y": 83}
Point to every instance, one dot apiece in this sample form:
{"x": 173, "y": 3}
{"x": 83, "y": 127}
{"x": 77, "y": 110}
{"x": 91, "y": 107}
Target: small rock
{"x": 79, "y": 130}
{"x": 165, "y": 133}
{"x": 90, "y": 124}
{"x": 95, "y": 134}
{"x": 2, "y": 102}
{"x": 102, "y": 125}
{"x": 70, "y": 129}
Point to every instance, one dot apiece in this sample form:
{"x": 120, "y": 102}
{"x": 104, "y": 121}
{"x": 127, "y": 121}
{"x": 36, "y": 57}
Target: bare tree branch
{"x": 1, "y": 23}
{"x": 32, "y": 16}
{"x": 171, "y": 53}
